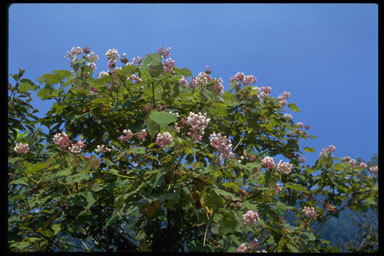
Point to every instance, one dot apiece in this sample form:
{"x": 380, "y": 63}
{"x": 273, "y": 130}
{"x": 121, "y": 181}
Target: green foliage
{"x": 184, "y": 197}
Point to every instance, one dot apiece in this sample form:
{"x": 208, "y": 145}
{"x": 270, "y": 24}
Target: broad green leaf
{"x": 27, "y": 85}
{"x": 86, "y": 199}
{"x": 152, "y": 63}
{"x": 297, "y": 187}
{"x": 183, "y": 71}
{"x": 21, "y": 181}
{"x": 293, "y": 107}
{"x": 309, "y": 149}
{"x": 138, "y": 150}
{"x": 65, "y": 172}
{"x": 79, "y": 177}
{"x": 162, "y": 118}
{"x": 152, "y": 127}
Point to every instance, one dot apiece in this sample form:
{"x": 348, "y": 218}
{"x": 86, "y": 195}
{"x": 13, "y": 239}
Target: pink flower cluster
{"x": 112, "y": 57}
{"x": 136, "y": 78}
{"x": 163, "y": 139}
{"x": 223, "y": 144}
{"x": 267, "y": 162}
{"x": 284, "y": 167}
{"x": 183, "y": 81}
{"x": 62, "y": 140}
{"x": 374, "y": 169}
{"x": 278, "y": 188}
{"x": 246, "y": 247}
{"x": 163, "y": 52}
{"x": 198, "y": 123}
{"x": 363, "y": 165}
{"x": 128, "y": 135}
{"x": 310, "y": 212}
{"x": 21, "y": 148}
{"x": 168, "y": 65}
{"x": 251, "y": 218}
{"x": 141, "y": 134}
{"x": 240, "y": 77}
{"x": 265, "y": 91}
{"x": 204, "y": 80}
{"x": 76, "y": 148}
{"x": 103, "y": 74}
{"x": 327, "y": 151}
{"x": 102, "y": 149}
{"x": 136, "y": 60}
{"x": 91, "y": 57}
{"x": 283, "y": 98}
{"x": 287, "y": 116}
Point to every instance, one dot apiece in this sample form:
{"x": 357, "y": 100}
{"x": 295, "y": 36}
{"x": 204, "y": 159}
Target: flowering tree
{"x": 146, "y": 157}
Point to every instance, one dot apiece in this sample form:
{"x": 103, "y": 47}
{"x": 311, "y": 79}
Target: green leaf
{"x": 292, "y": 248}
{"x": 79, "y": 177}
{"x": 96, "y": 187}
{"x": 293, "y": 107}
{"x": 182, "y": 71}
{"x": 162, "y": 118}
{"x": 297, "y": 187}
{"x": 138, "y": 150}
{"x": 152, "y": 63}
{"x": 86, "y": 199}
{"x": 21, "y": 181}
{"x": 27, "y": 85}
{"x": 61, "y": 74}
{"x": 309, "y": 149}
{"x": 65, "y": 172}
{"x": 152, "y": 127}
{"x": 56, "y": 228}
{"x": 112, "y": 219}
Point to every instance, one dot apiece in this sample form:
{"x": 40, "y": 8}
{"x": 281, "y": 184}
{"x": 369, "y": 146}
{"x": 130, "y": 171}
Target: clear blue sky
{"x": 326, "y": 55}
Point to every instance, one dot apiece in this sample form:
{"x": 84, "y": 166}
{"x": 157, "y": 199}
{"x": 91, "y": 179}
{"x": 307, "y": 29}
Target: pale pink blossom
{"x": 244, "y": 247}
{"x": 267, "y": 162}
{"x": 21, "y": 148}
{"x": 363, "y": 165}
{"x": 183, "y": 82}
{"x": 302, "y": 159}
{"x": 102, "y": 148}
{"x": 374, "y": 169}
{"x": 251, "y": 218}
{"x": 284, "y": 167}
{"x": 310, "y": 212}
{"x": 127, "y": 135}
{"x": 164, "y": 139}
{"x": 222, "y": 144}
{"x": 62, "y": 140}
{"x": 141, "y": 134}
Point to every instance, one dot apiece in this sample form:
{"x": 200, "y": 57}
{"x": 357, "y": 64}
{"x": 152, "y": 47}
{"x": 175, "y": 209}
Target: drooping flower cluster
{"x": 223, "y": 144}
{"x": 284, "y": 167}
{"x": 76, "y": 148}
{"x": 363, "y": 165}
{"x": 21, "y": 148}
{"x": 134, "y": 77}
{"x": 251, "y": 218}
{"x": 283, "y": 98}
{"x": 268, "y": 162}
{"x": 310, "y": 212}
{"x": 198, "y": 123}
{"x": 102, "y": 148}
{"x": 183, "y": 81}
{"x": 112, "y": 57}
{"x": 265, "y": 91}
{"x": 163, "y": 52}
{"x": 141, "y": 134}
{"x": 327, "y": 151}
{"x": 103, "y": 74}
{"x": 164, "y": 139}
{"x": 287, "y": 116}
{"x": 374, "y": 169}
{"x": 249, "y": 79}
{"x": 278, "y": 188}
{"x": 204, "y": 80}
{"x": 168, "y": 65}
{"x": 128, "y": 134}
{"x": 240, "y": 77}
{"x": 62, "y": 140}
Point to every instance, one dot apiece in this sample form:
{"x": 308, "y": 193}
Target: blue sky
{"x": 325, "y": 55}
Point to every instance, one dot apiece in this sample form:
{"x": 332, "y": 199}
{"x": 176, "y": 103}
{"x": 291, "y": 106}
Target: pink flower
{"x": 284, "y": 167}
{"x": 283, "y": 102}
{"x": 300, "y": 124}
{"x": 168, "y": 65}
{"x": 223, "y": 144}
{"x": 141, "y": 134}
{"x": 249, "y": 79}
{"x": 302, "y": 159}
{"x": 164, "y": 139}
{"x": 251, "y": 218}
{"x": 128, "y": 135}
{"x": 346, "y": 159}
{"x": 76, "y": 148}
{"x": 287, "y": 116}
{"x": 278, "y": 188}
{"x": 62, "y": 140}
{"x": 353, "y": 162}
{"x": 374, "y": 169}
{"x": 163, "y": 52}
{"x": 266, "y": 90}
{"x": 310, "y": 212}
{"x": 183, "y": 82}
{"x": 102, "y": 149}
{"x": 21, "y": 148}
{"x": 244, "y": 247}
{"x": 363, "y": 165}
{"x": 267, "y": 162}
{"x": 331, "y": 148}
{"x": 307, "y": 127}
